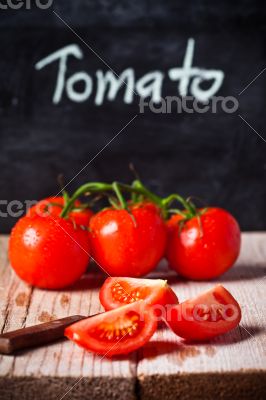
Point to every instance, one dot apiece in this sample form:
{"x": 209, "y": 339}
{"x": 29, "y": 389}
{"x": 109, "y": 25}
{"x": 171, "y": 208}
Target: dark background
{"x": 216, "y": 157}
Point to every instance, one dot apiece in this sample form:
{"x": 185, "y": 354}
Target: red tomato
{"x": 54, "y": 206}
{"x": 204, "y": 247}
{"x": 117, "y": 292}
{"x": 208, "y": 315}
{"x": 48, "y": 252}
{"x": 128, "y": 243}
{"x": 115, "y": 332}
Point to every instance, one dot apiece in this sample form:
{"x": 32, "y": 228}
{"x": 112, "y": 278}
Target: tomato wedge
{"x": 115, "y": 332}
{"x": 117, "y": 292}
{"x": 210, "y": 314}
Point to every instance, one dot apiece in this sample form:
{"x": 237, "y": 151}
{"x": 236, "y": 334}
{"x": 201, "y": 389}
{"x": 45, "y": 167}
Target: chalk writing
{"x": 106, "y": 85}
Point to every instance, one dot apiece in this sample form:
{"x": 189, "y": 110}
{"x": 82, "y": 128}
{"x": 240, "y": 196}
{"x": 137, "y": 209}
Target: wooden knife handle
{"x": 35, "y": 335}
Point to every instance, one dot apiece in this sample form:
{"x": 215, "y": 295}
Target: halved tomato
{"x": 117, "y": 292}
{"x": 210, "y": 314}
{"x": 115, "y": 332}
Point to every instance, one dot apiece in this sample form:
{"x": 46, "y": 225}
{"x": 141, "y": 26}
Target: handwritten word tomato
{"x": 128, "y": 243}
{"x": 54, "y": 206}
{"x": 208, "y": 315}
{"x": 117, "y": 292}
{"x": 115, "y": 332}
{"x": 203, "y": 247}
{"x": 48, "y": 252}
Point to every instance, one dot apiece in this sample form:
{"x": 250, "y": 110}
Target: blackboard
{"x": 215, "y": 156}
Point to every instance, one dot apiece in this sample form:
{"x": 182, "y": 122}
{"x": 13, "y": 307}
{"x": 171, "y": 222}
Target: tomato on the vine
{"x": 54, "y": 206}
{"x": 48, "y": 252}
{"x": 208, "y": 315}
{"x": 203, "y": 247}
{"x": 119, "y": 331}
{"x": 128, "y": 242}
{"x": 117, "y": 292}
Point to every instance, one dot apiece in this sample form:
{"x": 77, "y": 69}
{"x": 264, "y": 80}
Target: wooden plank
{"x": 230, "y": 366}
{"x": 50, "y": 371}
{"x": 14, "y": 302}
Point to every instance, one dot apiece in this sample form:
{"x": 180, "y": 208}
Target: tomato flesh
{"x": 119, "y": 291}
{"x": 208, "y": 315}
{"x": 48, "y": 252}
{"x": 128, "y": 243}
{"x": 54, "y": 206}
{"x": 204, "y": 247}
{"x": 114, "y": 332}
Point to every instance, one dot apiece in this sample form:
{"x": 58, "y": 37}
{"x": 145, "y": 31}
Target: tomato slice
{"x": 115, "y": 332}
{"x": 117, "y": 292}
{"x": 210, "y": 314}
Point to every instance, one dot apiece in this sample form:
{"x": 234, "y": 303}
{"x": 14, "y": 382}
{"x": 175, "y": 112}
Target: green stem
{"x": 138, "y": 185}
{"x": 93, "y": 187}
{"x": 137, "y": 189}
{"x": 187, "y": 205}
{"x": 117, "y": 190}
{"x": 100, "y": 187}
{"x": 65, "y": 196}
{"x": 177, "y": 211}
{"x": 113, "y": 203}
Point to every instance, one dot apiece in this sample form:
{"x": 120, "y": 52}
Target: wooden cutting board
{"x": 230, "y": 366}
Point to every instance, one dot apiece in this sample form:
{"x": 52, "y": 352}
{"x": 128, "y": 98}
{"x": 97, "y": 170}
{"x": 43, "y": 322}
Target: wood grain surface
{"x": 230, "y": 366}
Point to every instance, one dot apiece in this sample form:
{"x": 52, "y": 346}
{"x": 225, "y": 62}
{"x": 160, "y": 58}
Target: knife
{"x": 36, "y": 335}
